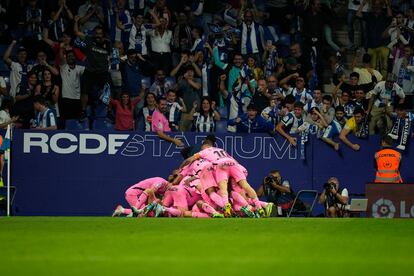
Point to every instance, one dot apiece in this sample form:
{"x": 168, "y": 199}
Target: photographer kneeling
{"x": 277, "y": 191}
{"x": 333, "y": 198}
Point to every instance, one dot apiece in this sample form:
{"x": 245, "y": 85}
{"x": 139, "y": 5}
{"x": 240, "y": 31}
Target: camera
{"x": 269, "y": 180}
{"x": 328, "y": 187}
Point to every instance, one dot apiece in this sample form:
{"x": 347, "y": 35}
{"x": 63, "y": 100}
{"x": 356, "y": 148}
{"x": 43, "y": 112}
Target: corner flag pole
{"x": 8, "y": 158}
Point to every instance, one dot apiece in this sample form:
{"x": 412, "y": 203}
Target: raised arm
{"x": 6, "y": 56}
{"x": 76, "y": 29}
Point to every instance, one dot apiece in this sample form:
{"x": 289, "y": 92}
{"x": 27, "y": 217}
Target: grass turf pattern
{"x": 278, "y": 246}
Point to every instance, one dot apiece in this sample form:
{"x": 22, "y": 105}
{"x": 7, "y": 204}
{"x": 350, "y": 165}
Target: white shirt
{"x": 71, "y": 81}
{"x": 141, "y": 40}
{"x": 253, "y": 39}
{"x": 382, "y": 94}
{"x": 4, "y": 117}
{"x": 16, "y": 76}
{"x": 352, "y": 6}
{"x": 161, "y": 44}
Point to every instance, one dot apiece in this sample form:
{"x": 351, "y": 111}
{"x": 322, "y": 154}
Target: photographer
{"x": 333, "y": 198}
{"x": 277, "y": 191}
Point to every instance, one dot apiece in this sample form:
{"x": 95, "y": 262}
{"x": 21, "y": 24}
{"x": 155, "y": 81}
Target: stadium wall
{"x": 87, "y": 173}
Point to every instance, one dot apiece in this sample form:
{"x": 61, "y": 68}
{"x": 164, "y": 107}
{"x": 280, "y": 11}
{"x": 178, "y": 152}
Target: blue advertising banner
{"x": 87, "y": 173}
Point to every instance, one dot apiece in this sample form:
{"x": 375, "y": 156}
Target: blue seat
{"x": 101, "y": 110}
{"x": 76, "y": 125}
{"x": 102, "y": 124}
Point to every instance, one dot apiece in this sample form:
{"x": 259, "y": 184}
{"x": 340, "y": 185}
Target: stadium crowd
{"x": 209, "y": 66}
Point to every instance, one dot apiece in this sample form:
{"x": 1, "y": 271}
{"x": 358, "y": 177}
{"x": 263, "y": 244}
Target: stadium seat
{"x": 102, "y": 124}
{"x": 76, "y": 125}
{"x": 303, "y": 203}
{"x": 101, "y": 110}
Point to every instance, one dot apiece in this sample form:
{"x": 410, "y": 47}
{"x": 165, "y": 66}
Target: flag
{"x": 5, "y": 146}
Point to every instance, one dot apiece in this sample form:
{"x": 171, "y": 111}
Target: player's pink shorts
{"x": 132, "y": 195}
{"x": 185, "y": 197}
{"x": 230, "y": 169}
{"x": 207, "y": 178}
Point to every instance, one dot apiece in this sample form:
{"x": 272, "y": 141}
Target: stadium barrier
{"x": 87, "y": 172}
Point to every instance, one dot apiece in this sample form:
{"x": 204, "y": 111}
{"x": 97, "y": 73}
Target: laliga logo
{"x": 383, "y": 208}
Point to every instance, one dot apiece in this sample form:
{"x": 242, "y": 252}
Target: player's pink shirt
{"x": 195, "y": 167}
{"x": 159, "y": 184}
{"x": 159, "y": 122}
{"x": 216, "y": 156}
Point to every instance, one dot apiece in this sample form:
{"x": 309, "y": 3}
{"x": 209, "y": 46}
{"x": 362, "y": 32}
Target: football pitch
{"x": 164, "y": 246}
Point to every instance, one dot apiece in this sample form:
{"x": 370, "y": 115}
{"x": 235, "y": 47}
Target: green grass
{"x": 114, "y": 246}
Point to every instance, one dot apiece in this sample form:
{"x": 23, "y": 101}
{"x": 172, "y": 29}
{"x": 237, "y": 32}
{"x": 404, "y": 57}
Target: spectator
{"x": 300, "y": 93}
{"x": 189, "y": 89}
{"x": 316, "y": 101}
{"x": 291, "y": 122}
{"x": 23, "y": 106}
{"x": 335, "y": 128}
{"x": 19, "y": 69}
{"x": 161, "y": 39}
{"x": 251, "y": 37}
{"x": 377, "y": 22}
{"x": 403, "y": 126}
{"x": 327, "y": 111}
{"x": 288, "y": 77}
{"x": 45, "y": 118}
{"x": 353, "y": 7}
{"x": 50, "y": 92}
{"x": 97, "y": 51}
{"x": 5, "y": 117}
{"x": 273, "y": 86}
{"x": 261, "y": 96}
{"x": 387, "y": 163}
{"x": 334, "y": 198}
{"x": 277, "y": 190}
{"x": 356, "y": 126}
{"x": 352, "y": 85}
{"x": 174, "y": 109}
{"x": 398, "y": 35}
{"x": 66, "y": 44}
{"x": 3, "y": 88}
{"x": 315, "y": 122}
{"x": 145, "y": 115}
{"x": 206, "y": 117}
{"x": 131, "y": 74}
{"x": 90, "y": 15}
{"x": 367, "y": 74}
{"x": 123, "y": 23}
{"x": 251, "y": 122}
{"x": 344, "y": 101}
{"x": 271, "y": 113}
{"x": 140, "y": 31}
{"x": 182, "y": 37}
{"x": 161, "y": 85}
{"x": 41, "y": 65}
{"x": 256, "y": 71}
{"x": 404, "y": 70}
{"x": 71, "y": 74}
{"x": 33, "y": 20}
{"x": 382, "y": 101}
{"x": 124, "y": 111}
{"x": 360, "y": 99}
{"x": 160, "y": 123}
{"x": 187, "y": 60}
{"x": 59, "y": 20}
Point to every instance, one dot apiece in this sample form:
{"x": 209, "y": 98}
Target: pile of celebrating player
{"x": 209, "y": 184}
